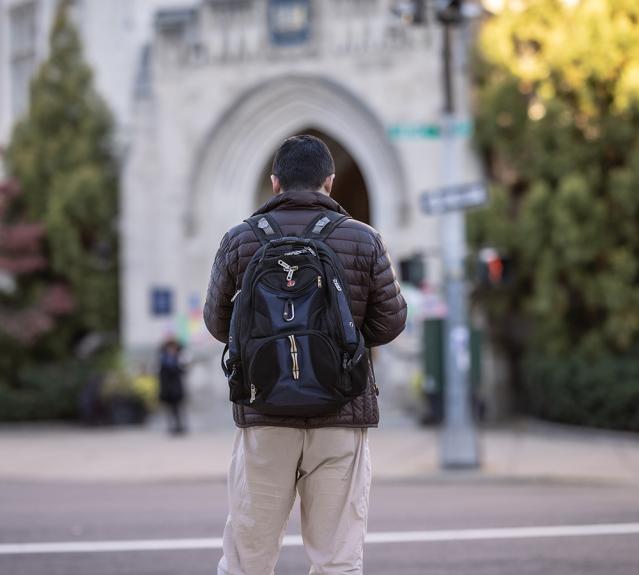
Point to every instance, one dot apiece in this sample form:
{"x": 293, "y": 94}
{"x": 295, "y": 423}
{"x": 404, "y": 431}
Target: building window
{"x": 410, "y": 11}
{"x": 231, "y": 5}
{"x": 22, "y": 50}
{"x": 289, "y": 21}
{"x": 357, "y": 7}
{"x": 177, "y": 26}
{"x": 161, "y": 301}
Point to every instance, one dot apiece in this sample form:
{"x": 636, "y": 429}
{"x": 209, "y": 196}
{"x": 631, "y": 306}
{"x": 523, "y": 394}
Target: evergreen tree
{"x": 62, "y": 155}
{"x": 558, "y": 126}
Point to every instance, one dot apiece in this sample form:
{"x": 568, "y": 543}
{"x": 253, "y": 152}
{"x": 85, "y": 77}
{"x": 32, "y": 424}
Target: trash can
{"x": 434, "y": 366}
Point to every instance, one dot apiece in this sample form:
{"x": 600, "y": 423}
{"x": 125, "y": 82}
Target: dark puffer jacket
{"x": 379, "y": 310}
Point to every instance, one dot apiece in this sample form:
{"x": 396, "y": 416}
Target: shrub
{"x": 599, "y": 393}
{"x": 128, "y": 398}
{"x": 49, "y": 391}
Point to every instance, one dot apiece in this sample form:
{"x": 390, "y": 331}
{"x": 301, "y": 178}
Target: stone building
{"x": 224, "y": 82}
{"x": 113, "y": 33}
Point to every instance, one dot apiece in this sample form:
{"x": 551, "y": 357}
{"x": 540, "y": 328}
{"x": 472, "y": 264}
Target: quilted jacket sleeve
{"x": 218, "y": 305}
{"x": 386, "y": 309}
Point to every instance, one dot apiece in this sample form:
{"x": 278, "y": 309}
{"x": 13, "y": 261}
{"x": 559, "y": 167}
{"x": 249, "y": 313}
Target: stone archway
{"x": 231, "y": 158}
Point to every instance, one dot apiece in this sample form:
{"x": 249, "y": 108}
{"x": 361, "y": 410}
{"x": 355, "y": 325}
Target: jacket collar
{"x": 300, "y": 200}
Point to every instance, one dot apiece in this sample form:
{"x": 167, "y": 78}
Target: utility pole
{"x": 458, "y": 440}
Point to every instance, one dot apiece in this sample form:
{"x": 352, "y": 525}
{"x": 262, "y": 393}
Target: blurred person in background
{"x": 171, "y": 374}
{"x": 324, "y": 458}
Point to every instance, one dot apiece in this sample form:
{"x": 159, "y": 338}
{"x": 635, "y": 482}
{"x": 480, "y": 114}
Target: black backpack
{"x": 294, "y": 349}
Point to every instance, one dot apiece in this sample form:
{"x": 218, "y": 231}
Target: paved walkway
{"x": 400, "y": 450}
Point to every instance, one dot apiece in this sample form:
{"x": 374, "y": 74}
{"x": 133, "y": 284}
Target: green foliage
{"x": 45, "y": 391}
{"x": 604, "y": 393}
{"x": 62, "y": 155}
{"x": 557, "y": 115}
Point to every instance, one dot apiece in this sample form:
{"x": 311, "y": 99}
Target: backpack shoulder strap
{"x": 323, "y": 225}
{"x": 264, "y": 227}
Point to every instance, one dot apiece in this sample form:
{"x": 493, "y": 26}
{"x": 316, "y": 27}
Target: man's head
{"x": 303, "y": 163}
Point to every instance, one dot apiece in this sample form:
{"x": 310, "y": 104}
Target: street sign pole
{"x": 458, "y": 439}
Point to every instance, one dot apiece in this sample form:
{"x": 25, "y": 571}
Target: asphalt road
{"x": 188, "y": 514}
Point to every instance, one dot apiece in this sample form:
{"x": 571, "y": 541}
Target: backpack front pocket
{"x": 295, "y": 374}
{"x": 237, "y": 388}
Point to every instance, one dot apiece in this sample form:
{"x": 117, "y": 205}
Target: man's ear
{"x": 328, "y": 184}
{"x": 277, "y": 187}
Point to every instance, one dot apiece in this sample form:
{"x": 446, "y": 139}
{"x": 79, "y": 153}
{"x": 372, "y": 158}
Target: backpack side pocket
{"x": 237, "y": 389}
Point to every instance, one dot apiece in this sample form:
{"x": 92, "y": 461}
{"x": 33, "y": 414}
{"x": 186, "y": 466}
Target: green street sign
{"x": 428, "y": 131}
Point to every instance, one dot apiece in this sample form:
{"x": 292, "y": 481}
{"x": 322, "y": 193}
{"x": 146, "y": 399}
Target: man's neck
{"x": 304, "y": 191}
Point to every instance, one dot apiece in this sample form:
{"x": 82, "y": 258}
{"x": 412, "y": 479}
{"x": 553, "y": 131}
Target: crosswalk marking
{"x": 296, "y": 540}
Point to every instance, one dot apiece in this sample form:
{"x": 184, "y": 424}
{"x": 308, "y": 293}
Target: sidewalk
{"x": 523, "y": 450}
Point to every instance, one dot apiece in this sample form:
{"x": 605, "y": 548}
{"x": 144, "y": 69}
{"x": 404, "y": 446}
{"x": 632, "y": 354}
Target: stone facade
{"x": 113, "y": 34}
{"x": 221, "y": 90}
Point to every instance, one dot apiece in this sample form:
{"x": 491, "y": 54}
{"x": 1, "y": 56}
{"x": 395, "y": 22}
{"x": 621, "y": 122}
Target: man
{"x": 324, "y": 459}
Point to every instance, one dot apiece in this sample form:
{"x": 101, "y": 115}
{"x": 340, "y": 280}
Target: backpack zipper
{"x": 340, "y": 323}
{"x": 290, "y": 270}
{"x": 296, "y": 367}
{"x": 259, "y": 277}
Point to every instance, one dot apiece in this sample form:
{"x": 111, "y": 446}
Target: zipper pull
{"x": 253, "y": 393}
{"x": 337, "y": 286}
{"x": 235, "y": 295}
{"x": 290, "y": 270}
{"x": 296, "y": 366}
{"x": 319, "y": 281}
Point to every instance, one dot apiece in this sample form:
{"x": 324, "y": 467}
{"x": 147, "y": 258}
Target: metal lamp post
{"x": 459, "y": 443}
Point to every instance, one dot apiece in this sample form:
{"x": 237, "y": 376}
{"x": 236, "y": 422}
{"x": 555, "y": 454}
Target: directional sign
{"x": 454, "y": 198}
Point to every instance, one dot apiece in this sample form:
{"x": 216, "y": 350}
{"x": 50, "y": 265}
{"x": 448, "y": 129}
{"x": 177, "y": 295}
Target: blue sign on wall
{"x": 161, "y": 301}
{"x": 289, "y": 21}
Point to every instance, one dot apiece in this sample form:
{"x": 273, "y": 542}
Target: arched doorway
{"x": 233, "y": 162}
{"x": 231, "y": 159}
{"x": 349, "y": 188}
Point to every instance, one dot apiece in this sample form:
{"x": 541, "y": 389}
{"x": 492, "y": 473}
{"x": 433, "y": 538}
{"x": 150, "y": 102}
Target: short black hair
{"x": 303, "y": 163}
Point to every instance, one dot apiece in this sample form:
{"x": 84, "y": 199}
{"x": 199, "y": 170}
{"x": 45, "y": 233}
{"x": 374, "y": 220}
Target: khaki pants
{"x": 328, "y": 467}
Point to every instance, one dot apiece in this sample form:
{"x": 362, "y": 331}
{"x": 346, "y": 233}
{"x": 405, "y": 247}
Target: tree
{"x": 558, "y": 126}
{"x": 557, "y": 117}
{"x": 62, "y": 155}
